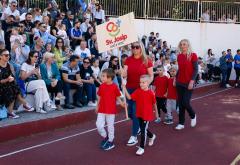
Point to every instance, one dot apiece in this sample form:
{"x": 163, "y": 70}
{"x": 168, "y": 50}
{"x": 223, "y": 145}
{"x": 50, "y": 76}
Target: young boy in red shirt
{"x": 160, "y": 86}
{"x": 171, "y": 96}
{"x": 145, "y": 103}
{"x": 108, "y": 94}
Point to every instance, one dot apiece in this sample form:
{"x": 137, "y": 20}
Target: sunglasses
{"x": 35, "y": 56}
{"x": 44, "y": 26}
{"x": 86, "y": 62}
{"x": 135, "y": 47}
{"x": 6, "y": 55}
{"x": 14, "y": 5}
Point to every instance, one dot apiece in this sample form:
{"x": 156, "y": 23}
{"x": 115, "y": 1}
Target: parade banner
{"x": 116, "y": 33}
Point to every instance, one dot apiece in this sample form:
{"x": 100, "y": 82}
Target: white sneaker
{"x": 194, "y": 121}
{"x": 132, "y": 141}
{"x": 91, "y": 104}
{"x": 151, "y": 140}
{"x": 228, "y": 86}
{"x": 201, "y": 81}
{"x": 42, "y": 111}
{"x": 140, "y": 151}
{"x": 179, "y": 127}
{"x": 53, "y": 106}
{"x": 13, "y": 115}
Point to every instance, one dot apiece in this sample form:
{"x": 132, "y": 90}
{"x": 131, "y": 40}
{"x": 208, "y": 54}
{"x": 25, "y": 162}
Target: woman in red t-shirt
{"x": 136, "y": 65}
{"x": 187, "y": 73}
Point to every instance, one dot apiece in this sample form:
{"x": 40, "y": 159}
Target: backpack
{"x": 3, "y": 112}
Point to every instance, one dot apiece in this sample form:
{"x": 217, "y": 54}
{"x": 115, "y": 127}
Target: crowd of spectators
{"x": 53, "y": 56}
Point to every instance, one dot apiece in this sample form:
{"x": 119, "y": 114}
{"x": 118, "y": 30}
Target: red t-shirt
{"x": 144, "y": 103}
{"x": 185, "y": 67}
{"x": 172, "y": 91}
{"x": 136, "y": 68}
{"x": 108, "y": 97}
{"x": 161, "y": 84}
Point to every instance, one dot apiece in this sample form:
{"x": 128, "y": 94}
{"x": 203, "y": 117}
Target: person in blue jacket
{"x": 237, "y": 67}
{"x": 229, "y": 58}
{"x": 224, "y": 67}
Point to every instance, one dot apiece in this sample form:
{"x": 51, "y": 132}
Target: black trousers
{"x": 237, "y": 70}
{"x": 229, "y": 70}
{"x": 144, "y": 131}
{"x": 184, "y": 98}
{"x": 161, "y": 105}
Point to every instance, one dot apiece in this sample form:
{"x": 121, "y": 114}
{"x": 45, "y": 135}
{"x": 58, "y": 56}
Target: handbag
{"x": 3, "y": 112}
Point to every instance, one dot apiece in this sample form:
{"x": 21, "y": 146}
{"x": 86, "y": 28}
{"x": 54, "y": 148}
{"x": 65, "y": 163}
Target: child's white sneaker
{"x": 140, "y": 151}
{"x": 132, "y": 141}
{"x": 179, "y": 127}
{"x": 194, "y": 121}
{"x": 151, "y": 140}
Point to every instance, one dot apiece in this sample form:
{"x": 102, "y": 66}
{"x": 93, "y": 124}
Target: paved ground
{"x": 215, "y": 140}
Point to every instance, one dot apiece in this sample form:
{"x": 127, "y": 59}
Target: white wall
{"x": 202, "y": 36}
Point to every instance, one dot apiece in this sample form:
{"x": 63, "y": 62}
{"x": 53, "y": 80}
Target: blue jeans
{"x": 224, "y": 78}
{"x": 77, "y": 95}
{"x": 132, "y": 114}
{"x": 91, "y": 91}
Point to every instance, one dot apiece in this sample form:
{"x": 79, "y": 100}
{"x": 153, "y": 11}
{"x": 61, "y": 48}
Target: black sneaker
{"x": 168, "y": 121}
{"x": 108, "y": 146}
{"x": 68, "y": 106}
{"x": 77, "y": 104}
{"x": 103, "y": 143}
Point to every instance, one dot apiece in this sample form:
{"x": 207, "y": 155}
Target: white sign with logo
{"x": 116, "y": 33}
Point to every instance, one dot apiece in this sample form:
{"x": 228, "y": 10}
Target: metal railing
{"x": 186, "y": 10}
{"x": 220, "y": 12}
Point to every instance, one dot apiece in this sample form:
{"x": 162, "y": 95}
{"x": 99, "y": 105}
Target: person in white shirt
{"x": 82, "y": 51}
{"x": 11, "y": 10}
{"x": 206, "y": 16}
{"x": 85, "y": 25}
{"x": 99, "y": 14}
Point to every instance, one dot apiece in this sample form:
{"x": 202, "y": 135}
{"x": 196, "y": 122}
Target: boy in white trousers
{"x": 108, "y": 95}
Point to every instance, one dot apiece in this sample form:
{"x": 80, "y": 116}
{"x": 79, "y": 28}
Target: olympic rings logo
{"x": 113, "y": 29}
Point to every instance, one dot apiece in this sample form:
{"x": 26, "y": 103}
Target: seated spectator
{"x": 39, "y": 47}
{"x": 37, "y": 15}
{"x": 205, "y": 16}
{"x": 7, "y": 26}
{"x": 62, "y": 32}
{"x": 59, "y": 53}
{"x": 30, "y": 73}
{"x": 96, "y": 71}
{"x": 68, "y": 21}
{"x": 201, "y": 71}
{"x": 99, "y": 14}
{"x": 48, "y": 48}
{"x": 11, "y": 10}
{"x": 15, "y": 38}
{"x": 9, "y": 90}
{"x": 44, "y": 35}
{"x": 76, "y": 34}
{"x": 72, "y": 80}
{"x": 1, "y": 34}
{"x": 92, "y": 41}
{"x": 55, "y": 28}
{"x": 88, "y": 81}
{"x": 85, "y": 25}
{"x": 28, "y": 26}
{"x": 47, "y": 21}
{"x": 51, "y": 76}
{"x": 82, "y": 51}
{"x": 88, "y": 34}
{"x": 94, "y": 52}
{"x": 113, "y": 64}
{"x": 22, "y": 7}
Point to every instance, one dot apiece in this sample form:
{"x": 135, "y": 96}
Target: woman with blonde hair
{"x": 51, "y": 76}
{"x": 185, "y": 79}
{"x": 135, "y": 66}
